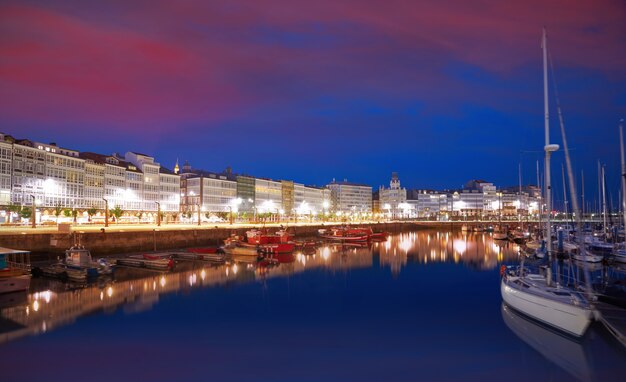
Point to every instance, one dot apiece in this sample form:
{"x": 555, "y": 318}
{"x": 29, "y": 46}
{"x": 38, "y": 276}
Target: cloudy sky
{"x": 440, "y": 91}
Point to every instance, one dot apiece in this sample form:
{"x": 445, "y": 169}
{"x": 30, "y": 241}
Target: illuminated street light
{"x": 234, "y": 207}
{"x": 34, "y": 214}
{"x": 158, "y": 214}
{"x": 106, "y": 212}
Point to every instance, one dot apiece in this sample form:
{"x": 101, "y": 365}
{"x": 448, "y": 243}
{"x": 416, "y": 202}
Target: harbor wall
{"x": 50, "y": 245}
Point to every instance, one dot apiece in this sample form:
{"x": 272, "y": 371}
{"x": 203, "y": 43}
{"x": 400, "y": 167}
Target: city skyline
{"x": 344, "y": 90}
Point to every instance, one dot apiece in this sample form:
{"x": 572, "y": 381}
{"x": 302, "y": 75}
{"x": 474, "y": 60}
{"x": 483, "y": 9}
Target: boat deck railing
{"x": 19, "y": 260}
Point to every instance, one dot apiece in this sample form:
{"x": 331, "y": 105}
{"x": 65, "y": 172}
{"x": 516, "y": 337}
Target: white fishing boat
{"x": 79, "y": 258}
{"x": 62, "y": 272}
{"x": 14, "y": 270}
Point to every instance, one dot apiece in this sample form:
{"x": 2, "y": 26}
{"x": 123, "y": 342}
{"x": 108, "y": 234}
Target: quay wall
{"x": 101, "y": 243}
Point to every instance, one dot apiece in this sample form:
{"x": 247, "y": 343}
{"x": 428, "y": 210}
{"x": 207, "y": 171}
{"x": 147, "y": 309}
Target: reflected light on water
{"x": 397, "y": 252}
{"x": 460, "y": 246}
{"x": 326, "y": 253}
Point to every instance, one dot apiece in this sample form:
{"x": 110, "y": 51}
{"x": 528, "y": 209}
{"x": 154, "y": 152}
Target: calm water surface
{"x": 421, "y": 306}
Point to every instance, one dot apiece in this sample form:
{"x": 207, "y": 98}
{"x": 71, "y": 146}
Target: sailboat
{"x": 534, "y": 294}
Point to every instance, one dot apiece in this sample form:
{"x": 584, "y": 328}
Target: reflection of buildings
{"x": 47, "y": 310}
{"x": 478, "y": 251}
{"x": 54, "y": 307}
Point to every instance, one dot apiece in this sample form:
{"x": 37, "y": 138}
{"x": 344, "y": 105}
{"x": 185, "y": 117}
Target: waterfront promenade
{"x": 124, "y": 238}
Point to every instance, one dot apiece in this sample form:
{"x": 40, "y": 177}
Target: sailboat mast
{"x": 604, "y": 226}
{"x": 621, "y": 146}
{"x": 548, "y": 147}
{"x": 564, "y": 191}
{"x": 582, "y": 196}
{"x": 599, "y": 189}
{"x": 519, "y": 173}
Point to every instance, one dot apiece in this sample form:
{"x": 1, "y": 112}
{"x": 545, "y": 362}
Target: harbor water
{"x": 422, "y": 305}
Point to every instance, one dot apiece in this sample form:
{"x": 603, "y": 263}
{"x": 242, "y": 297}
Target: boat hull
{"x": 14, "y": 283}
{"x": 500, "y": 236}
{"x": 345, "y": 238}
{"x": 568, "y": 318}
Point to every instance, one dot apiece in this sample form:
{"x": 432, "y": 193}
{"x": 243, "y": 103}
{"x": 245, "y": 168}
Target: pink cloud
{"x": 168, "y": 62}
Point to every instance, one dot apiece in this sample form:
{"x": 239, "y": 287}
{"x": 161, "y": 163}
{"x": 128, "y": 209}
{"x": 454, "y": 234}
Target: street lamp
{"x": 253, "y": 208}
{"x": 106, "y": 212}
{"x": 234, "y": 207}
{"x": 198, "y": 205}
{"x": 34, "y": 214}
{"x": 158, "y": 219}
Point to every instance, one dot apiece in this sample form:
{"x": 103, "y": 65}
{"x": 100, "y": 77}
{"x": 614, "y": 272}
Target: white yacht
{"x": 559, "y": 307}
{"x": 534, "y": 294}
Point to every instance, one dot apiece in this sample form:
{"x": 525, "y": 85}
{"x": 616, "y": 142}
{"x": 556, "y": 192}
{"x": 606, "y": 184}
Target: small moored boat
{"x": 14, "y": 270}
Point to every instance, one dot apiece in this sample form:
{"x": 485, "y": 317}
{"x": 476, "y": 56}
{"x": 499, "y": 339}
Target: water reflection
{"x": 53, "y": 304}
{"x": 564, "y": 351}
{"x": 478, "y": 251}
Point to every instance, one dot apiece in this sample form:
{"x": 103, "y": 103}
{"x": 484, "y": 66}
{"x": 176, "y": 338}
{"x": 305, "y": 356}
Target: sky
{"x": 439, "y": 91}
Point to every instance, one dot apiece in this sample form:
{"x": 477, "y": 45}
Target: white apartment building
{"x": 350, "y": 198}
{"x": 213, "y": 192}
{"x": 54, "y": 177}
{"x": 430, "y": 205}
{"x": 310, "y": 200}
{"x": 169, "y": 190}
{"x": 6, "y": 170}
{"x": 268, "y": 196}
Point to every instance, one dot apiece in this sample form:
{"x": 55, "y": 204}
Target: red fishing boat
{"x": 276, "y": 248}
{"x": 352, "y": 234}
{"x": 344, "y": 234}
{"x": 256, "y": 236}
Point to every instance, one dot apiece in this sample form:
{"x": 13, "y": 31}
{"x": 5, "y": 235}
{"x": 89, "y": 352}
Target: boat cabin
{"x": 14, "y": 259}
{"x": 78, "y": 256}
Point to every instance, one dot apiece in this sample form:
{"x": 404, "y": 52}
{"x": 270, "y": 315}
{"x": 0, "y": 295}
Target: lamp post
{"x": 106, "y": 212}
{"x": 34, "y": 214}
{"x": 198, "y": 205}
{"x": 158, "y": 219}
{"x": 253, "y": 208}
